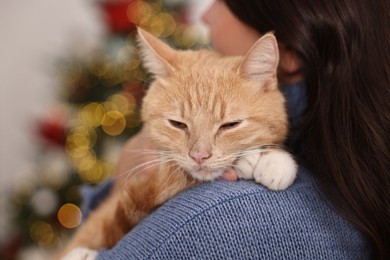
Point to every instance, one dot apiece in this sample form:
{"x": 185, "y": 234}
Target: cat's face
{"x": 204, "y": 110}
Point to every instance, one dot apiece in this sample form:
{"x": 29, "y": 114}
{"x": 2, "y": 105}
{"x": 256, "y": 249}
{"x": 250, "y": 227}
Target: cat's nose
{"x": 199, "y": 156}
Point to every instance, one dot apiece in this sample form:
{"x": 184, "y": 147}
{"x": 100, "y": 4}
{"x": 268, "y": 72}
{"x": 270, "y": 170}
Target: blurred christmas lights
{"x": 103, "y": 97}
{"x": 69, "y": 215}
{"x": 43, "y": 234}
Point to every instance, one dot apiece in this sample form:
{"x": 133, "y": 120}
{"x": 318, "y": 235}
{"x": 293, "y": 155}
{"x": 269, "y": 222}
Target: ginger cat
{"x": 205, "y": 114}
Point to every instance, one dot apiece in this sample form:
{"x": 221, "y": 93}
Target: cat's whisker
{"x": 173, "y": 173}
{"x": 163, "y": 158}
{"x": 259, "y": 149}
{"x": 248, "y": 152}
{"x": 138, "y": 169}
{"x": 140, "y": 156}
{"x": 267, "y": 146}
{"x": 156, "y": 153}
{"x": 228, "y": 161}
{"x": 146, "y": 151}
{"x": 131, "y": 173}
{"x": 156, "y": 160}
{"x": 144, "y": 80}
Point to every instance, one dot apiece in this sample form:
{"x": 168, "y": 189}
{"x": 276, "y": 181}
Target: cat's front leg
{"x": 275, "y": 169}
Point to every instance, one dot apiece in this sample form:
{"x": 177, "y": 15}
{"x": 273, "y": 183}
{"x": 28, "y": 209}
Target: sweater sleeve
{"x": 243, "y": 220}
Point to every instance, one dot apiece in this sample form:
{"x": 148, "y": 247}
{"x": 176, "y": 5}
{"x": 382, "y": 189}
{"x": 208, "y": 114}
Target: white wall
{"x": 33, "y": 35}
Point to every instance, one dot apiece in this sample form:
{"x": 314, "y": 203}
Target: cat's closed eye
{"x": 229, "y": 125}
{"x": 177, "y": 124}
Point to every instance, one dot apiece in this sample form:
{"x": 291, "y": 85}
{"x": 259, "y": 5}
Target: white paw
{"x": 275, "y": 169}
{"x": 246, "y": 165}
{"x": 81, "y": 253}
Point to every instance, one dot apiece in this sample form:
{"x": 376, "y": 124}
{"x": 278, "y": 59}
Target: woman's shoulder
{"x": 243, "y": 220}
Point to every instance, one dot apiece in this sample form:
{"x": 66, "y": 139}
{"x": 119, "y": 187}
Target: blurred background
{"x": 71, "y": 85}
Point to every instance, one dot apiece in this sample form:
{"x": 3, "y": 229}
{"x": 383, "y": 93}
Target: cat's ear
{"x": 156, "y": 55}
{"x": 261, "y": 61}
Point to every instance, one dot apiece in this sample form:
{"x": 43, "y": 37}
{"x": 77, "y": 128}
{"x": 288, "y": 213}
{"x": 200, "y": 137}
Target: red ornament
{"x": 117, "y": 16}
{"x": 51, "y": 129}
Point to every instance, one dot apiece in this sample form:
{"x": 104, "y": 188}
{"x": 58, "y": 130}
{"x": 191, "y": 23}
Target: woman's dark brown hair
{"x": 344, "y": 50}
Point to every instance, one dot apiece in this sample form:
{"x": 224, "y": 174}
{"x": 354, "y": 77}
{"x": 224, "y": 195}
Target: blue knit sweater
{"x": 243, "y": 220}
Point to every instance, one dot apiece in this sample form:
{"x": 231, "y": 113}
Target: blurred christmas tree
{"x": 81, "y": 138}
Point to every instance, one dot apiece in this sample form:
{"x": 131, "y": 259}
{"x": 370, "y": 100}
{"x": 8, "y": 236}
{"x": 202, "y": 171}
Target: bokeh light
{"x": 117, "y": 113}
{"x": 139, "y": 12}
{"x": 44, "y": 201}
{"x": 162, "y": 25}
{"x": 124, "y": 102}
{"x": 43, "y": 234}
{"x": 97, "y": 171}
{"x": 113, "y": 123}
{"x": 92, "y": 114}
{"x": 69, "y": 215}
{"x": 79, "y": 142}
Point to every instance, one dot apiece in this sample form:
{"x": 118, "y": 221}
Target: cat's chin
{"x": 206, "y": 174}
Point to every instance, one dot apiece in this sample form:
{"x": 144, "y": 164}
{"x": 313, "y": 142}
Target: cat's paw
{"x": 276, "y": 169}
{"x": 81, "y": 253}
{"x": 246, "y": 165}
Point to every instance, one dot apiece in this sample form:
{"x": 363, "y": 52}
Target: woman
{"x": 343, "y": 51}
{"x": 340, "y": 117}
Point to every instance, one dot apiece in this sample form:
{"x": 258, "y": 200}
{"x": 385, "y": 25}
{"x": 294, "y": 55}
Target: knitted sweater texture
{"x": 243, "y": 220}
